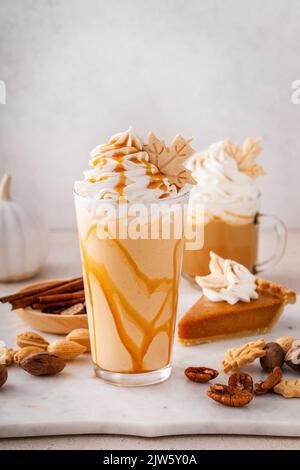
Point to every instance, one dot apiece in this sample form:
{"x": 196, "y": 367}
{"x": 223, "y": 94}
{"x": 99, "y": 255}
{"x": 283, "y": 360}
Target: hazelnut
{"x": 274, "y": 357}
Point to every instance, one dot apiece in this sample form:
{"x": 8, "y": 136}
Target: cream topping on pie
{"x": 228, "y": 281}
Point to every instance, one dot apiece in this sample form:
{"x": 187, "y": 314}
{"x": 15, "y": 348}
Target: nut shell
{"x": 65, "y": 349}
{"x": 30, "y": 338}
{"x": 24, "y": 352}
{"x": 274, "y": 357}
{"x": 292, "y": 358}
{"x": 43, "y": 363}
{"x": 80, "y": 336}
{"x": 285, "y": 342}
{"x": 7, "y": 356}
{"x": 3, "y": 374}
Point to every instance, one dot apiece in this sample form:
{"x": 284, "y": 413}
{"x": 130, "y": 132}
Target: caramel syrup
{"x": 118, "y": 302}
{"x": 156, "y": 179}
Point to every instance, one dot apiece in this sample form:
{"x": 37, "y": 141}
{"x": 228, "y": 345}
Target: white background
{"x": 77, "y": 71}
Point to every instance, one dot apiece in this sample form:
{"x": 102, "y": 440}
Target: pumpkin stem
{"x": 5, "y": 188}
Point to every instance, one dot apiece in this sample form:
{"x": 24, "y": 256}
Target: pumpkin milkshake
{"x": 226, "y": 188}
{"x": 131, "y": 257}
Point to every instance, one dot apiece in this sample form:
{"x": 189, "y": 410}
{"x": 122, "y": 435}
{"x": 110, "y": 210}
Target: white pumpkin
{"x": 23, "y": 238}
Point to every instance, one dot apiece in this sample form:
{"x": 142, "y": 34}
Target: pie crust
{"x": 208, "y": 321}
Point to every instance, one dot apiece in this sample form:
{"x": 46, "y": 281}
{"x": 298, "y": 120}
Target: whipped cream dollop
{"x": 221, "y": 184}
{"x": 228, "y": 281}
{"x": 121, "y": 168}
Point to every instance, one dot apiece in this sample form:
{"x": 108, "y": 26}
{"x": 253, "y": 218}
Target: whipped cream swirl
{"x": 221, "y": 184}
{"x": 121, "y": 168}
{"x": 228, "y": 281}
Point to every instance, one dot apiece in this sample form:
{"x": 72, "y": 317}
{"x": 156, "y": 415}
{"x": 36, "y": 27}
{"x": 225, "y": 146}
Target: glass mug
{"x": 232, "y": 235}
{"x": 131, "y": 289}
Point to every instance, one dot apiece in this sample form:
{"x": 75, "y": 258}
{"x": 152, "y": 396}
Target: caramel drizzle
{"x": 87, "y": 286}
{"x": 148, "y": 285}
{"x": 156, "y": 177}
{"x": 115, "y": 299}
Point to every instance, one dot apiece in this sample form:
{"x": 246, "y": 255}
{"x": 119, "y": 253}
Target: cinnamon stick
{"x": 69, "y": 286}
{"x": 45, "y": 299}
{"x": 65, "y": 303}
{"x": 32, "y": 291}
{"x": 53, "y": 310}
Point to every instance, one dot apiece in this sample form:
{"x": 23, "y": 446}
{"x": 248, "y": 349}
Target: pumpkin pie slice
{"x": 209, "y": 320}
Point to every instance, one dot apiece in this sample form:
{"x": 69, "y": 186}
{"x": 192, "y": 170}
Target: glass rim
{"x": 181, "y": 196}
{"x": 222, "y": 202}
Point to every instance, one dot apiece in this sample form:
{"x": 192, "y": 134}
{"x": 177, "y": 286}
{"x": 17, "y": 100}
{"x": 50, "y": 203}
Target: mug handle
{"x": 280, "y": 245}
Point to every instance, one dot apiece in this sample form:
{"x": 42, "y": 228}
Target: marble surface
{"x": 159, "y": 416}
{"x": 75, "y": 402}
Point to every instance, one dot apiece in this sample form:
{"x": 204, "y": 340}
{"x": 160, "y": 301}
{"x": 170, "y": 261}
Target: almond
{"x": 30, "y": 338}
{"x": 80, "y": 336}
{"x": 7, "y": 356}
{"x": 24, "y": 352}
{"x": 43, "y": 363}
{"x": 65, "y": 349}
{"x": 3, "y": 374}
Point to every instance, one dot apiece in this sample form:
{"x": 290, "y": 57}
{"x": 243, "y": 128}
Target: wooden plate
{"x": 50, "y": 322}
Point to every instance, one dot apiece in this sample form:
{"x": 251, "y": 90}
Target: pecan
{"x": 241, "y": 381}
{"x": 265, "y": 385}
{"x": 229, "y": 396}
{"x": 201, "y": 374}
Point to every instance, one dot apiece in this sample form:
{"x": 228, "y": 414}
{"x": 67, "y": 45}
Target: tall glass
{"x": 131, "y": 278}
{"x": 231, "y": 230}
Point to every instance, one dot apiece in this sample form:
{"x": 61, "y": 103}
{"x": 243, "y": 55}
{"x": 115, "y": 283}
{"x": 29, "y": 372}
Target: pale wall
{"x": 77, "y": 71}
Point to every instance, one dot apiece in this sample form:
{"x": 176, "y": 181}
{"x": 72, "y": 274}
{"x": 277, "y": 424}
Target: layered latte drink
{"x": 131, "y": 242}
{"x": 226, "y": 188}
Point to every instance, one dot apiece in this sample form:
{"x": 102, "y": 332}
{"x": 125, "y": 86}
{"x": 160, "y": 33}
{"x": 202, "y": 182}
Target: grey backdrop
{"x": 77, "y": 71}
